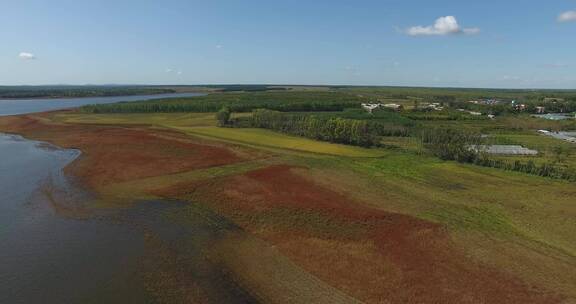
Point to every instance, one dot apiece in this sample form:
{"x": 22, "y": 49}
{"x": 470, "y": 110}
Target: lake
{"x": 48, "y": 258}
{"x": 23, "y": 106}
{"x": 58, "y": 247}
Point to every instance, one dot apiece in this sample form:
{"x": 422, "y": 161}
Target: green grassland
{"x": 420, "y": 178}
{"x": 204, "y": 124}
{"x": 509, "y": 220}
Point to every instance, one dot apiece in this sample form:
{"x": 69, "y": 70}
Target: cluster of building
{"x": 491, "y": 116}
{"x": 370, "y": 107}
{"x": 522, "y": 107}
{"x": 566, "y": 136}
{"x": 436, "y": 106}
{"x": 486, "y": 101}
{"x": 516, "y": 106}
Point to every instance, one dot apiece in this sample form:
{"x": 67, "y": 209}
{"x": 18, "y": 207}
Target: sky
{"x": 446, "y": 43}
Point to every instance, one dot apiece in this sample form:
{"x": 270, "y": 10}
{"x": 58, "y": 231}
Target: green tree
{"x": 223, "y": 116}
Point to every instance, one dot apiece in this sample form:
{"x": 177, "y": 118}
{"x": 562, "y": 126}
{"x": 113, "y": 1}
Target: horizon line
{"x": 287, "y": 85}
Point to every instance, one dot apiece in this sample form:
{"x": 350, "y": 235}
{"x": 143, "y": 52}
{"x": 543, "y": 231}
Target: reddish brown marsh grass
{"x": 373, "y": 255}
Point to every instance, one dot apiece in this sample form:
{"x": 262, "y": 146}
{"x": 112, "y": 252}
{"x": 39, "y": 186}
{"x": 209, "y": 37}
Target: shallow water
{"x": 56, "y": 248}
{"x": 47, "y": 258}
{"x": 24, "y": 106}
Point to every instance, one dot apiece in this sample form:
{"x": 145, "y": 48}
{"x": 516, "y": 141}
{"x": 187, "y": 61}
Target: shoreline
{"x": 49, "y": 98}
{"x": 243, "y": 243}
{"x": 267, "y": 198}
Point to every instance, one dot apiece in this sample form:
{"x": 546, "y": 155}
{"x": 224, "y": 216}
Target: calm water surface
{"x": 55, "y": 247}
{"x": 48, "y": 258}
{"x": 23, "y": 106}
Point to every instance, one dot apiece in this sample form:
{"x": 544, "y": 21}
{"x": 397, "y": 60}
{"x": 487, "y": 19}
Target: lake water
{"x": 56, "y": 247}
{"x": 23, "y": 106}
{"x": 47, "y": 258}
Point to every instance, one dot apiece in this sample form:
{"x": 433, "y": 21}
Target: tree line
{"x": 330, "y": 129}
{"x": 452, "y": 144}
{"x": 72, "y": 91}
{"x": 207, "y": 107}
{"x": 238, "y": 102}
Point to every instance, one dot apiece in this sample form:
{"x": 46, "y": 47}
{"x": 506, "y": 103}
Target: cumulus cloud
{"x": 443, "y": 26}
{"x": 568, "y": 16}
{"x": 26, "y": 56}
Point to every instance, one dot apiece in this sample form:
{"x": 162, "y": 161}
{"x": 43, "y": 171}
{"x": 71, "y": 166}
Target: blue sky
{"x": 513, "y": 43}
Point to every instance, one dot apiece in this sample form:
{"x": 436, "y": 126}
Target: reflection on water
{"x": 56, "y": 249}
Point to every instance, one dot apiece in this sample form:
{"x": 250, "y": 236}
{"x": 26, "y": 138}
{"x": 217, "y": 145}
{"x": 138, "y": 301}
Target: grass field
{"x": 204, "y": 124}
{"x": 270, "y": 139}
{"x": 439, "y": 180}
{"x": 378, "y": 224}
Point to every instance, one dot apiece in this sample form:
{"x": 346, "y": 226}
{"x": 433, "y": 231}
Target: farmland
{"x": 393, "y": 222}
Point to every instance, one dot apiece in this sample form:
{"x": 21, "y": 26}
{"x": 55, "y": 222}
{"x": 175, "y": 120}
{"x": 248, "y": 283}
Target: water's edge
{"x": 60, "y": 250}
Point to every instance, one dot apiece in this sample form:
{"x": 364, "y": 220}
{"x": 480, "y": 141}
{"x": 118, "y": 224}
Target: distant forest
{"x": 16, "y": 92}
{"x": 290, "y": 101}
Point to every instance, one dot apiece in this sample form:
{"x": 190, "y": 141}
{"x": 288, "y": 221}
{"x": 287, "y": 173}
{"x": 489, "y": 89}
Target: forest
{"x": 335, "y": 129}
{"x": 239, "y": 102}
{"x": 18, "y": 92}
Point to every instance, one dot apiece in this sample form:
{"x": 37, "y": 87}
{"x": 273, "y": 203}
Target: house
{"x": 435, "y": 106}
{"x": 540, "y": 110}
{"x": 491, "y": 116}
{"x": 371, "y": 106}
{"x": 519, "y": 107}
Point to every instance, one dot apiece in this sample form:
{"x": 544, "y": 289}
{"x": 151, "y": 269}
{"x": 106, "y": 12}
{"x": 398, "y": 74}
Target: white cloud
{"x": 26, "y": 56}
{"x": 567, "y": 16}
{"x": 169, "y": 70}
{"x": 447, "y": 25}
{"x": 219, "y": 46}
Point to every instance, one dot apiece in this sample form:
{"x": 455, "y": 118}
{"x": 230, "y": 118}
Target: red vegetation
{"x": 373, "y": 255}
{"x": 422, "y": 265}
{"x": 116, "y": 154}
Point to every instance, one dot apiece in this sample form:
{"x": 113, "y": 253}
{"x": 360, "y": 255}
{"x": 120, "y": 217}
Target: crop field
{"x": 392, "y": 223}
